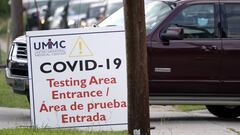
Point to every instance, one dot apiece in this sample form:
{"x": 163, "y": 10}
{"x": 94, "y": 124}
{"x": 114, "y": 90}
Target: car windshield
{"x": 155, "y": 13}
{"x": 111, "y": 8}
{"x": 76, "y": 9}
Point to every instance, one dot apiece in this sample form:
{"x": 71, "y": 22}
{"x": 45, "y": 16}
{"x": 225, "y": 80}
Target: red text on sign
{"x": 75, "y": 94}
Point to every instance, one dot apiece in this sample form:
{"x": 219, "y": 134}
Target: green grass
{"x": 3, "y": 57}
{"x": 234, "y": 130}
{"x": 31, "y": 131}
{"x": 8, "y": 98}
{"x": 188, "y": 108}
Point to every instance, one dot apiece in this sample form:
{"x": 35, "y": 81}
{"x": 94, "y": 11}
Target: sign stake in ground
{"x": 138, "y": 93}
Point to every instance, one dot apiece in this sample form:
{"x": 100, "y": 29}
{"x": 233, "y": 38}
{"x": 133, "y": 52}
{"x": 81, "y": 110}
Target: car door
{"x": 192, "y": 65}
{"x": 231, "y": 48}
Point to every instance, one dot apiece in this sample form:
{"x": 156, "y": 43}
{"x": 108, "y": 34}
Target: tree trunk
{"x": 138, "y": 93}
{"x": 16, "y": 19}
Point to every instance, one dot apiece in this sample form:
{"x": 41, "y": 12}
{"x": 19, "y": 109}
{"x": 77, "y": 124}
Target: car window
{"x": 112, "y": 7}
{"x": 155, "y": 13}
{"x": 76, "y": 9}
{"x": 233, "y": 20}
{"x": 196, "y": 20}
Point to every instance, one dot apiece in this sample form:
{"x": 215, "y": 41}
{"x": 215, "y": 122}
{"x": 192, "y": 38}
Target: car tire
{"x": 224, "y": 111}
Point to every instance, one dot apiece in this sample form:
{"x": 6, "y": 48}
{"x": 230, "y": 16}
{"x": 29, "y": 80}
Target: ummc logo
{"x": 49, "y": 45}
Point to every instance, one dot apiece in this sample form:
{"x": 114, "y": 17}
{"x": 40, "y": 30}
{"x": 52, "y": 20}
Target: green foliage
{"x": 4, "y": 8}
{"x": 8, "y": 98}
{"x": 3, "y": 57}
{"x": 3, "y": 30}
{"x": 188, "y": 108}
{"x": 3, "y": 25}
{"x": 32, "y": 131}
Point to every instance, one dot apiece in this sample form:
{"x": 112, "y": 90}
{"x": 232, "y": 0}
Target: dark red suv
{"x": 193, "y": 53}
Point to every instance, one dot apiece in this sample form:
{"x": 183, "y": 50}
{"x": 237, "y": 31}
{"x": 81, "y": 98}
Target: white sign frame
{"x": 46, "y": 74}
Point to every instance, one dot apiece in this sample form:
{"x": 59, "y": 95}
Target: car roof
{"x": 83, "y": 1}
{"x": 20, "y": 39}
{"x": 114, "y": 1}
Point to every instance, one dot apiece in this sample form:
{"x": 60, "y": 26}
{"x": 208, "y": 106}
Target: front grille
{"x": 19, "y": 72}
{"x": 21, "y": 51}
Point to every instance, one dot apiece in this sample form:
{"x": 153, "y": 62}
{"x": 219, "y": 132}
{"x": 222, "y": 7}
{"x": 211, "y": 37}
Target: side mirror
{"x": 172, "y": 33}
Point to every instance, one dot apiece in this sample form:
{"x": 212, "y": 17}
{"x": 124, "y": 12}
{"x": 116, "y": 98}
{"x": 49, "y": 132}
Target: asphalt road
{"x": 12, "y": 117}
{"x": 190, "y": 123}
{"x": 166, "y": 121}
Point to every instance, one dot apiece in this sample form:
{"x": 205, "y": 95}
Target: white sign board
{"x": 78, "y": 78}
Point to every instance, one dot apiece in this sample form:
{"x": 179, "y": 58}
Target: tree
{"x": 16, "y": 18}
{"x": 4, "y": 8}
{"x": 138, "y": 91}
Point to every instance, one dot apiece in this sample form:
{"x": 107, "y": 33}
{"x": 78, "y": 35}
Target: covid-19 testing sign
{"x": 78, "y": 78}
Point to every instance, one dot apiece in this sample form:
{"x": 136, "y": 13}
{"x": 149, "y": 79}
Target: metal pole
{"x": 138, "y": 91}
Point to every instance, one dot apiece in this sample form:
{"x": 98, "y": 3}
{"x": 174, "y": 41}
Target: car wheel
{"x": 224, "y": 111}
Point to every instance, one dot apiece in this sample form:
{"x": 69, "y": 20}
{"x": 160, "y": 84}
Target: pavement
{"x": 165, "y": 119}
{"x": 14, "y": 117}
{"x": 201, "y": 122}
